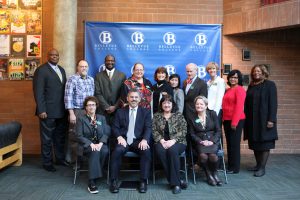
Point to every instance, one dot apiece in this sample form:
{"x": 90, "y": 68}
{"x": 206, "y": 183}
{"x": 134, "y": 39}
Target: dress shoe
{"x": 211, "y": 181}
{"x": 49, "y": 168}
{"x": 143, "y": 187}
{"x": 183, "y": 184}
{"x": 259, "y": 173}
{"x": 218, "y": 181}
{"x": 62, "y": 163}
{"x": 231, "y": 172}
{"x": 176, "y": 189}
{"x": 114, "y": 188}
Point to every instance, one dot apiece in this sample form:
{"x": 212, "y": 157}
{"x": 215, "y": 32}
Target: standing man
{"x": 78, "y": 87}
{"x": 132, "y": 131}
{"x": 48, "y": 87}
{"x": 107, "y": 88}
{"x": 193, "y": 86}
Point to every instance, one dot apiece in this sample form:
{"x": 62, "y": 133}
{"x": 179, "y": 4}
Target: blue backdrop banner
{"x": 170, "y": 45}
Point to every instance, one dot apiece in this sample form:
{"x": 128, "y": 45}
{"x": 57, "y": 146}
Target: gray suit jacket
{"x": 108, "y": 91}
{"x": 49, "y": 91}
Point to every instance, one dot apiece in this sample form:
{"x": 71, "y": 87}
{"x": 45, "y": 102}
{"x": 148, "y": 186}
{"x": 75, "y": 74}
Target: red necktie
{"x": 189, "y": 81}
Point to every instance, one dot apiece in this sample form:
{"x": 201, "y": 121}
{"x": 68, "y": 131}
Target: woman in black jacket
{"x": 261, "y": 117}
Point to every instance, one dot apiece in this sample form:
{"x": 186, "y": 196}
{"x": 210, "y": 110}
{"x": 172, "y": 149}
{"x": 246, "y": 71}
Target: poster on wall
{"x": 170, "y": 45}
{"x": 3, "y": 68}
{"x": 18, "y": 45}
{"x": 4, "y": 21}
{"x": 33, "y": 46}
{"x": 30, "y": 66}
{"x": 18, "y": 21}
{"x": 16, "y": 69}
{"x": 4, "y": 45}
{"x": 34, "y": 22}
{"x": 12, "y": 4}
{"x": 30, "y": 4}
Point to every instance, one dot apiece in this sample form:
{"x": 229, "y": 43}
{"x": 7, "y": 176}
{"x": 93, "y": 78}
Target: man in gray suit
{"x": 48, "y": 87}
{"x": 107, "y": 88}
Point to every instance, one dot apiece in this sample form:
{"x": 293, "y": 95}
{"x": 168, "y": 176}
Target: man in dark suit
{"x": 132, "y": 130}
{"x": 193, "y": 86}
{"x": 48, "y": 87}
{"x": 107, "y": 88}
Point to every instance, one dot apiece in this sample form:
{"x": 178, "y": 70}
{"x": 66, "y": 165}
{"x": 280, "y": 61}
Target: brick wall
{"x": 280, "y": 49}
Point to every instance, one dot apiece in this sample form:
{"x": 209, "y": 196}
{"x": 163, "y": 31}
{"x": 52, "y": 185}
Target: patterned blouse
{"x": 177, "y": 127}
{"x": 145, "y": 90}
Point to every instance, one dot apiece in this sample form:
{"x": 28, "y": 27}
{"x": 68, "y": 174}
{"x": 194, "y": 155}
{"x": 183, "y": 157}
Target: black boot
{"x": 213, "y": 167}
{"x": 210, "y": 179}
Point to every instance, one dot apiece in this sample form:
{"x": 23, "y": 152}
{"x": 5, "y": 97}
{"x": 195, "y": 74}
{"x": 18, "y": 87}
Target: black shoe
{"x": 62, "y": 163}
{"x": 211, "y": 181}
{"x": 218, "y": 181}
{"x": 259, "y": 173}
{"x": 183, "y": 184}
{"x": 143, "y": 187}
{"x": 49, "y": 168}
{"x": 231, "y": 172}
{"x": 114, "y": 188}
{"x": 92, "y": 189}
{"x": 176, "y": 189}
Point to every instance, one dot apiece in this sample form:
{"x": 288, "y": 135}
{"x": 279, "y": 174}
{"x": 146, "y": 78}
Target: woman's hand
{"x": 270, "y": 124}
{"x": 206, "y": 143}
{"x": 233, "y": 127}
{"x": 99, "y": 146}
{"x": 170, "y": 143}
{"x": 93, "y": 147}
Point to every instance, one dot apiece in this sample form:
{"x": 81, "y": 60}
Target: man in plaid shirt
{"x": 78, "y": 87}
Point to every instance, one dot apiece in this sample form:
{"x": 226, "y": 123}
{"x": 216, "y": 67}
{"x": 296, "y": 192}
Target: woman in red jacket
{"x": 233, "y": 119}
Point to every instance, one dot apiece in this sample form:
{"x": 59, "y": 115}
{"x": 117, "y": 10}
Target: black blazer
{"x": 143, "y": 123}
{"x": 49, "y": 91}
{"x": 85, "y": 131}
{"x": 198, "y": 87}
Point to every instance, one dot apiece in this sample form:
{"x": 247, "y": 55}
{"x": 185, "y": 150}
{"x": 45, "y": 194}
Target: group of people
{"x": 134, "y": 115}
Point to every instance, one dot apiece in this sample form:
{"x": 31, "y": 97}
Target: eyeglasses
{"x": 91, "y": 105}
{"x": 234, "y": 77}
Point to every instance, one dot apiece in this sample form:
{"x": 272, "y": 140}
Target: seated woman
{"x": 205, "y": 133}
{"x": 169, "y": 133}
{"x": 93, "y": 132}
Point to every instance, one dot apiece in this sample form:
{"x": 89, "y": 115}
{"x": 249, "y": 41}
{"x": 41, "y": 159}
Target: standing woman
{"x": 261, "y": 117}
{"x": 93, "y": 132}
{"x": 216, "y": 89}
{"x": 138, "y": 81}
{"x": 161, "y": 88}
{"x": 169, "y": 133}
{"x": 233, "y": 119}
{"x": 177, "y": 92}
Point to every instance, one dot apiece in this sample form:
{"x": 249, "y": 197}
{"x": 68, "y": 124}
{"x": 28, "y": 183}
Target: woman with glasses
{"x": 233, "y": 119}
{"x": 137, "y": 80}
{"x": 93, "y": 132}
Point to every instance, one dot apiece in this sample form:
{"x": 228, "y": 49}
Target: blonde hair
{"x": 211, "y": 65}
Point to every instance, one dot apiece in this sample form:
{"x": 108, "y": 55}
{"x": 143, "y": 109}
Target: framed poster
{"x": 18, "y": 44}
{"x": 4, "y": 45}
{"x": 33, "y": 46}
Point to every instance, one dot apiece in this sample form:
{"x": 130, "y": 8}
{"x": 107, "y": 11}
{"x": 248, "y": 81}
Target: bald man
{"x": 193, "y": 86}
{"x": 48, "y": 87}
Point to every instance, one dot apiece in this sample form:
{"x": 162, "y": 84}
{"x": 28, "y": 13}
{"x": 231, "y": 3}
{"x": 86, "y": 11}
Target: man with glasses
{"x": 78, "y": 87}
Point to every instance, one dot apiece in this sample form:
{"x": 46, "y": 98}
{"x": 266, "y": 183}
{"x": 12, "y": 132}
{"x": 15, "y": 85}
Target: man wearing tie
{"x": 48, "y": 87}
{"x": 193, "y": 86}
{"x": 107, "y": 88}
{"x": 132, "y": 130}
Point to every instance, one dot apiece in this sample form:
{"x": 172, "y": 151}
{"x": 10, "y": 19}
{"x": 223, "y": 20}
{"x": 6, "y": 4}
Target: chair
{"x": 220, "y": 153}
{"x": 182, "y": 156}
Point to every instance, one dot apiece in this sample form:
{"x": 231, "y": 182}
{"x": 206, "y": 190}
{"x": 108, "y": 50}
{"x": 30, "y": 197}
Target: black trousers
{"x": 233, "y": 139}
{"x": 52, "y": 133}
{"x": 170, "y": 161}
{"x": 96, "y": 161}
{"x": 119, "y": 151}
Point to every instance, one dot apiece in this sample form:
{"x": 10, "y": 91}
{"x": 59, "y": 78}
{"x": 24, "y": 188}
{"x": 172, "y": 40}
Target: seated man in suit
{"x": 132, "y": 130}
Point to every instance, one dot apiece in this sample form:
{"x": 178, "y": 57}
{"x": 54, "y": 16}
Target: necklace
{"x": 202, "y": 120}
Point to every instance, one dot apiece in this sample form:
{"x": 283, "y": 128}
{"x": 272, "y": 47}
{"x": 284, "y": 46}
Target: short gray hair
{"x": 203, "y": 98}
